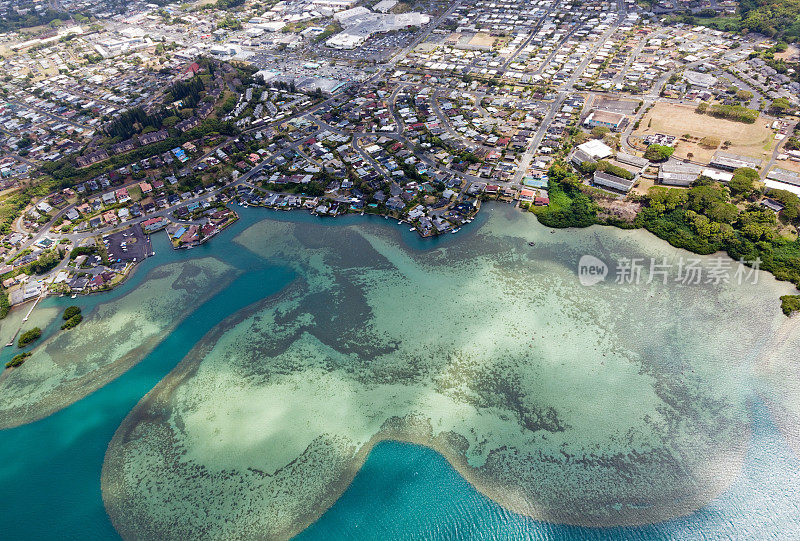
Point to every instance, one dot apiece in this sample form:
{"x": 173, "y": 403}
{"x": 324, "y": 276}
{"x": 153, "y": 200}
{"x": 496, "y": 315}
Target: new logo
{"x": 591, "y": 270}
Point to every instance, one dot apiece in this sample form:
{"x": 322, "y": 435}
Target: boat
{"x": 456, "y": 230}
{"x": 413, "y": 229}
{"x": 74, "y": 296}
{"x": 531, "y": 243}
{"x": 400, "y": 222}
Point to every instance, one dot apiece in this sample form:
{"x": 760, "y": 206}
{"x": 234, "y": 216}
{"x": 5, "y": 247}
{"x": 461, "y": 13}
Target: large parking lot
{"x": 128, "y": 245}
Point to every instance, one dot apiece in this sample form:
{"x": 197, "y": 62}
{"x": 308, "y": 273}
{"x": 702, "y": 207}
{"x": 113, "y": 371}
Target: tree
{"x": 742, "y": 181}
{"x": 723, "y": 212}
{"x": 71, "y": 311}
{"x": 780, "y": 106}
{"x": 29, "y": 336}
{"x": 658, "y": 153}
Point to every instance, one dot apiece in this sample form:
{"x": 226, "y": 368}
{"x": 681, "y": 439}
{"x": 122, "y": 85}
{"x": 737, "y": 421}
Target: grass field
{"x": 755, "y": 140}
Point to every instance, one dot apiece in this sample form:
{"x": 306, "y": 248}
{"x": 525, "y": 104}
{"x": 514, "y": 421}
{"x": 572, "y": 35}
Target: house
{"x": 154, "y": 224}
{"x": 97, "y": 282}
{"x": 188, "y": 124}
{"x": 145, "y": 187}
{"x": 596, "y": 149}
{"x": 526, "y": 196}
{"x": 771, "y": 204}
{"x": 606, "y": 119}
{"x": 78, "y": 283}
{"x": 153, "y": 137}
{"x": 148, "y": 205}
{"x": 110, "y": 217}
{"x": 94, "y": 157}
{"x": 124, "y": 146}
{"x": 614, "y": 182}
{"x": 395, "y": 203}
{"x": 43, "y": 207}
{"x": 675, "y": 173}
{"x": 732, "y": 162}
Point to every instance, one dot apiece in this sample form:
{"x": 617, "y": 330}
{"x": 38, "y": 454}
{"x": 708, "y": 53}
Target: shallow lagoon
{"x": 610, "y": 405}
{"x": 50, "y": 469}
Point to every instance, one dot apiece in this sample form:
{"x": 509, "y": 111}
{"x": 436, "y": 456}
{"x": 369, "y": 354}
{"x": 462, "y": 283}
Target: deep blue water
{"x": 50, "y": 470}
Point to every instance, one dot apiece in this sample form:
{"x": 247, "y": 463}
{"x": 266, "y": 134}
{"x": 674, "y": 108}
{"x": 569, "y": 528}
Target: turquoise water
{"x": 50, "y": 469}
{"x": 406, "y": 491}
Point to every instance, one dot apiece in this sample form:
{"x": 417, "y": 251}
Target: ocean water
{"x": 50, "y": 469}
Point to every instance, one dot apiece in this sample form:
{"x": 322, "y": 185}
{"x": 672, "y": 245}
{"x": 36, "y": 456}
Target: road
{"x": 533, "y": 144}
{"x": 51, "y": 115}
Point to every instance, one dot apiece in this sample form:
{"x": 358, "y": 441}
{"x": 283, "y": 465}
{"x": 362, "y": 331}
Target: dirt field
{"x": 754, "y": 140}
{"x": 482, "y": 40}
{"x": 791, "y": 54}
{"x": 789, "y": 165}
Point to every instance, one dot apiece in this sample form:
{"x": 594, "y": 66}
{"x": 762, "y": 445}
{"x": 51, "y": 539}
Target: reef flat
{"x": 616, "y": 404}
{"x": 111, "y": 339}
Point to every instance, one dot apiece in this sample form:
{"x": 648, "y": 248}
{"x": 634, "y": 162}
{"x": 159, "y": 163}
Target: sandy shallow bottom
{"x": 618, "y": 404}
{"x": 112, "y": 338}
{"x": 40, "y": 317}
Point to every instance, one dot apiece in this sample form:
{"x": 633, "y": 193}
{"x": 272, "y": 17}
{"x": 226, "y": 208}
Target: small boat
{"x": 74, "y": 296}
{"x": 531, "y": 243}
{"x": 400, "y": 222}
{"x": 456, "y": 230}
{"x": 413, "y": 229}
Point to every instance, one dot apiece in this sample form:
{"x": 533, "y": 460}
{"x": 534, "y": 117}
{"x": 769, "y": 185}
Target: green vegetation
{"x": 72, "y": 322}
{"x": 569, "y": 206}
{"x": 5, "y": 305}
{"x": 780, "y": 106}
{"x": 773, "y": 18}
{"x": 227, "y": 4}
{"x": 26, "y": 18}
{"x": 82, "y": 250}
{"x": 779, "y": 19}
{"x": 230, "y": 22}
{"x": 612, "y": 169}
{"x": 743, "y": 181}
{"x": 790, "y": 304}
{"x": 658, "y": 153}
{"x": 703, "y": 220}
{"x": 330, "y": 30}
{"x": 17, "y": 360}
{"x": 29, "y": 337}
{"x": 587, "y": 168}
{"x": 737, "y": 113}
{"x": 71, "y": 312}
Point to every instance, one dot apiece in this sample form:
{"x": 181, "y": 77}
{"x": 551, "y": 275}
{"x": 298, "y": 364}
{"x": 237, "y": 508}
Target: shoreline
{"x": 151, "y": 414}
{"x": 70, "y": 391}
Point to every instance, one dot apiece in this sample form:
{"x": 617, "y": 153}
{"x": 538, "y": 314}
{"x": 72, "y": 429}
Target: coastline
{"x": 72, "y": 390}
{"x": 150, "y": 414}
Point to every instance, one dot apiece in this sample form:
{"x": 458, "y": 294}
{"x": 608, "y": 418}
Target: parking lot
{"x": 128, "y": 245}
